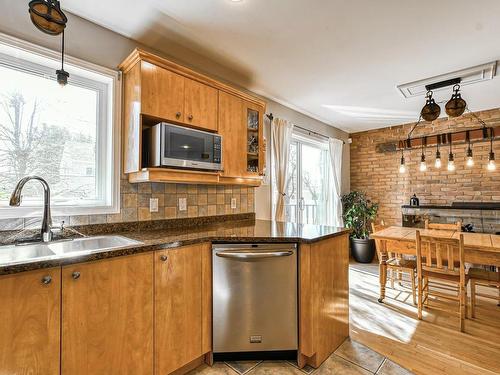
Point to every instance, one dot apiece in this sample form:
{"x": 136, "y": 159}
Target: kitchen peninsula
{"x": 151, "y": 303}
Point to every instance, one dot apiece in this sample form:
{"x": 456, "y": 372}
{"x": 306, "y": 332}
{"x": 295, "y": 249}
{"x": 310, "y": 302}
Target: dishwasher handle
{"x": 253, "y": 255}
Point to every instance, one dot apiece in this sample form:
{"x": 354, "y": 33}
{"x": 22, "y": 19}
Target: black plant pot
{"x": 363, "y": 250}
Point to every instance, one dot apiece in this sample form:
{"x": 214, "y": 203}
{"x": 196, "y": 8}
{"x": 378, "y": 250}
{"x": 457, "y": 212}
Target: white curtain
{"x": 334, "y": 209}
{"x": 281, "y": 133}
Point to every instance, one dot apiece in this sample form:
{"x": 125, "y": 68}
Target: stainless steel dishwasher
{"x": 254, "y": 297}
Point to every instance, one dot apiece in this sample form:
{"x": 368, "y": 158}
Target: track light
{"x": 491, "y": 159}
{"x": 456, "y": 105}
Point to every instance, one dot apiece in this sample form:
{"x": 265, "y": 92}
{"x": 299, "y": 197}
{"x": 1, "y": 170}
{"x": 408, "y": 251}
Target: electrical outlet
{"x": 233, "y": 202}
{"x": 153, "y": 204}
{"x": 182, "y": 204}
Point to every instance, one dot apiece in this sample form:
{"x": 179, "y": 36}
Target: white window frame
{"x": 109, "y": 135}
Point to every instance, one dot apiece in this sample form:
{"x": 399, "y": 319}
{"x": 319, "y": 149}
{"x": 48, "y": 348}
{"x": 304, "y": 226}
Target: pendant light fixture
{"x": 469, "y": 156}
{"x": 402, "y": 165}
{"x": 437, "y": 163}
{"x": 491, "y": 159}
{"x": 423, "y": 164}
{"x": 430, "y": 110}
{"x": 48, "y": 17}
{"x": 456, "y": 105}
{"x": 451, "y": 157}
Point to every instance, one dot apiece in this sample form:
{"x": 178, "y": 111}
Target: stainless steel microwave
{"x": 174, "y": 146}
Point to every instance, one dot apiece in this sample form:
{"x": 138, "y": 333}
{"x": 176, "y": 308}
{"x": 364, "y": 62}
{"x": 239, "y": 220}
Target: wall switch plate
{"x": 233, "y": 202}
{"x": 153, "y": 204}
{"x": 182, "y": 204}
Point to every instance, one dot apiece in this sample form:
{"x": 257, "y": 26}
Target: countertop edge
{"x": 61, "y": 262}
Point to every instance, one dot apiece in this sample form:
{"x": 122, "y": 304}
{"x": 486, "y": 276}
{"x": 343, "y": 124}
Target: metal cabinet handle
{"x": 190, "y": 117}
{"x": 178, "y": 114}
{"x": 75, "y": 275}
{"x": 163, "y": 258}
{"x": 253, "y": 255}
{"x": 46, "y": 280}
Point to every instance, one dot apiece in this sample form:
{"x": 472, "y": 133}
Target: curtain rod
{"x": 271, "y": 117}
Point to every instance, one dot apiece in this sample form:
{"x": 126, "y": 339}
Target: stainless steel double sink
{"x": 40, "y": 251}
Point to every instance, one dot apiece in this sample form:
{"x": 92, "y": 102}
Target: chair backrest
{"x": 456, "y": 226}
{"x": 441, "y": 255}
{"x": 378, "y": 248}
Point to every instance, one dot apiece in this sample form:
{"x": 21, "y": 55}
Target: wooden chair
{"x": 456, "y": 226}
{"x": 431, "y": 251}
{"x": 397, "y": 265}
{"x": 479, "y": 276}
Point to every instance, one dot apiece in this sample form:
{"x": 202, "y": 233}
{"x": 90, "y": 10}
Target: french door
{"x": 306, "y": 197}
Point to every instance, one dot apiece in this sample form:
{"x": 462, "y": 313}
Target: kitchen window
{"x": 67, "y": 135}
{"x": 308, "y": 180}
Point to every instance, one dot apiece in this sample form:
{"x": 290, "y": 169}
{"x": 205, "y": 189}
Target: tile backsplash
{"x": 202, "y": 200}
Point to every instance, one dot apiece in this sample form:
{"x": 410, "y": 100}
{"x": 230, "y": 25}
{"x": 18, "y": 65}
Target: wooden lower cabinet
{"x": 181, "y": 325}
{"x": 323, "y": 298}
{"x": 107, "y": 317}
{"x": 30, "y": 322}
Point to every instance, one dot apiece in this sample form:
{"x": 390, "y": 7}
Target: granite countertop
{"x": 240, "y": 231}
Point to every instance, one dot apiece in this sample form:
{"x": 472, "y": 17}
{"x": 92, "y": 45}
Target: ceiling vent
{"x": 466, "y": 76}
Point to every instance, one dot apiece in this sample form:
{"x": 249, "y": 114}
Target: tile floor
{"x": 351, "y": 358}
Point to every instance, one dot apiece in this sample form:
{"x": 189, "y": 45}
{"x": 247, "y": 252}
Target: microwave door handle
{"x": 257, "y": 255}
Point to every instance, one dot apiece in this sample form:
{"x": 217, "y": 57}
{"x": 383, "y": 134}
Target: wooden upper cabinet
{"x": 200, "y": 105}
{"x": 254, "y": 128}
{"x": 107, "y": 319}
{"x": 162, "y": 93}
{"x": 178, "y": 307}
{"x": 30, "y": 322}
{"x": 233, "y": 130}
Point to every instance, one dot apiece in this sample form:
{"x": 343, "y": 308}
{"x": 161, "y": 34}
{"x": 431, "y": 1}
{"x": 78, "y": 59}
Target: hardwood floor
{"x": 432, "y": 346}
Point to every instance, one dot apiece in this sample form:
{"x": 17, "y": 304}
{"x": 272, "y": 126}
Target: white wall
{"x": 96, "y": 44}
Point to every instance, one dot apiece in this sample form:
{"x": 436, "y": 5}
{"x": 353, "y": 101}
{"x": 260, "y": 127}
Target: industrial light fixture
{"x": 437, "y": 163}
{"x": 430, "y": 110}
{"x": 402, "y": 166}
{"x": 451, "y": 158}
{"x": 456, "y": 105}
{"x": 423, "y": 164}
{"x": 470, "y": 158}
{"x": 48, "y": 17}
{"x": 491, "y": 158}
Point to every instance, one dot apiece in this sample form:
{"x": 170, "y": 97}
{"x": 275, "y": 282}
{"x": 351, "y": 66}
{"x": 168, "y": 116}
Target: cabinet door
{"x": 254, "y": 127}
{"x": 232, "y": 127}
{"x": 178, "y": 308}
{"x": 162, "y": 93}
{"x": 107, "y": 319}
{"x": 30, "y": 322}
{"x": 200, "y": 105}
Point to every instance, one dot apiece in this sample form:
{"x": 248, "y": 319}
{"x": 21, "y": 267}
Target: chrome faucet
{"x": 15, "y": 200}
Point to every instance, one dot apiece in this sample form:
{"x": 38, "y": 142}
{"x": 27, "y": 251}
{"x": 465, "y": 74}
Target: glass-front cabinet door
{"x": 254, "y": 136}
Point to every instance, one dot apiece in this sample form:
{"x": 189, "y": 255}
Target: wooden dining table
{"x": 479, "y": 248}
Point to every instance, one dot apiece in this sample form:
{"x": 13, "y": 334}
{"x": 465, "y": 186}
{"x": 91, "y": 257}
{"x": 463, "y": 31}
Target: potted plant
{"x": 358, "y": 213}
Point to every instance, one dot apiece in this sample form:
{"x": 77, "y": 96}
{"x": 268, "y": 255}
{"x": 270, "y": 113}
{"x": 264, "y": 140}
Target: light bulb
{"x": 451, "y": 165}
{"x": 402, "y": 168}
{"x": 437, "y": 163}
{"x": 470, "y": 161}
{"x": 491, "y": 162}
{"x": 491, "y": 165}
{"x": 423, "y": 164}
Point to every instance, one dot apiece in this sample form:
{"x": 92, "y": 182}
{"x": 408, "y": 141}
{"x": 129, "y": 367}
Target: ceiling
{"x": 337, "y": 61}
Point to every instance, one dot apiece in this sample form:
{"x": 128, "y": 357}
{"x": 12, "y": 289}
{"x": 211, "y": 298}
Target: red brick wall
{"x": 378, "y": 175}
